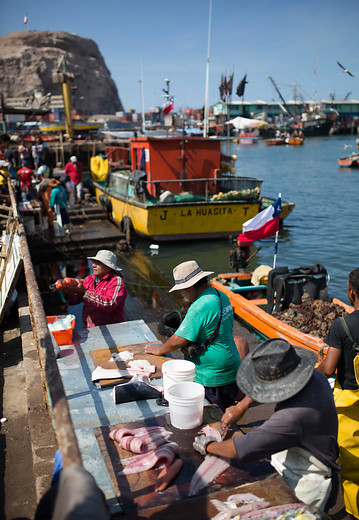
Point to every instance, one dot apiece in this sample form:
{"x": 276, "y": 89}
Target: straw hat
{"x": 107, "y": 258}
{"x": 187, "y": 274}
{"x": 275, "y": 371}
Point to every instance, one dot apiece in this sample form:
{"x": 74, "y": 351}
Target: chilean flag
{"x": 168, "y": 106}
{"x": 263, "y": 225}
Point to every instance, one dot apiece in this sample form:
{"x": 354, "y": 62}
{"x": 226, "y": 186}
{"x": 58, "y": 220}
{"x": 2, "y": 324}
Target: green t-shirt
{"x": 218, "y": 364}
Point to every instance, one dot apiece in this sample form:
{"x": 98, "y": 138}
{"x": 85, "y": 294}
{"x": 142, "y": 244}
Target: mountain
{"x": 28, "y": 58}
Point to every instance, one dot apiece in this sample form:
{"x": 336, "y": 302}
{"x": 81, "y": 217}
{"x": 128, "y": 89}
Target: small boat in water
{"x": 176, "y": 189}
{"x": 252, "y": 307}
{"x": 276, "y": 141}
{"x": 293, "y": 140}
{"x": 350, "y": 161}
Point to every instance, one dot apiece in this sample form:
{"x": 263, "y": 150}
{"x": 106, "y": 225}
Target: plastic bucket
{"x": 186, "y": 405}
{"x": 176, "y": 371}
{"x": 62, "y": 337}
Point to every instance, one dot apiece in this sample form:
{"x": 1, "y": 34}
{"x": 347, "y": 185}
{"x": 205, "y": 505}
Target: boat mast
{"x": 205, "y": 122}
{"x": 142, "y": 100}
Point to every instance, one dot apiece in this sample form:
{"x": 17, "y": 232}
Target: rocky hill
{"x": 28, "y": 58}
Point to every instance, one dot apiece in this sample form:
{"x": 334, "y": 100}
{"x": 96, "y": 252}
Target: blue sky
{"x": 280, "y": 38}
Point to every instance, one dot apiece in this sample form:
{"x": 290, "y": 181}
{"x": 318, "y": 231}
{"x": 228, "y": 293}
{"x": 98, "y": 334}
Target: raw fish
{"x": 162, "y": 456}
{"x": 210, "y": 468}
{"x": 117, "y": 434}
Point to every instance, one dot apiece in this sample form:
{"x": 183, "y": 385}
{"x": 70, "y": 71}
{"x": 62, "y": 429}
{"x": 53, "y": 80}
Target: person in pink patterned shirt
{"x": 103, "y": 293}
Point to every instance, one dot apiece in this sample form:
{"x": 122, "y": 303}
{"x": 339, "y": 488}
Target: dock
{"x": 91, "y": 228}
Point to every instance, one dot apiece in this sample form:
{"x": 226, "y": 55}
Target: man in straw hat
{"x": 205, "y": 335}
{"x": 301, "y": 435}
{"x": 103, "y": 293}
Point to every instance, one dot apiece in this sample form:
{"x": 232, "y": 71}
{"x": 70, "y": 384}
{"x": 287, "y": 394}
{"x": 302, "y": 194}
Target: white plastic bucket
{"x": 176, "y": 371}
{"x": 186, "y": 405}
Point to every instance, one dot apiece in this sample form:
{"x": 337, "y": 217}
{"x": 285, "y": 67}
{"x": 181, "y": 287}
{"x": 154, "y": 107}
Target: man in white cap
{"x": 74, "y": 170}
{"x": 205, "y": 335}
{"x": 103, "y": 293}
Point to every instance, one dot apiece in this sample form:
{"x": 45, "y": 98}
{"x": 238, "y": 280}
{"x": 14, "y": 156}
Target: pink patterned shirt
{"x": 104, "y": 301}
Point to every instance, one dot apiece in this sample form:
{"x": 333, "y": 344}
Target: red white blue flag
{"x": 263, "y": 225}
{"x": 168, "y": 106}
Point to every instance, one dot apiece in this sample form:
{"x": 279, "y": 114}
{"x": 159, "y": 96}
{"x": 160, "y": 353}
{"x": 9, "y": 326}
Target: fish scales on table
{"x": 162, "y": 456}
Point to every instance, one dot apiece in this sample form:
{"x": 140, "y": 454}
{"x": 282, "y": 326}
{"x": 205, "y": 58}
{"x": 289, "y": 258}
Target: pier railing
{"x": 57, "y": 400}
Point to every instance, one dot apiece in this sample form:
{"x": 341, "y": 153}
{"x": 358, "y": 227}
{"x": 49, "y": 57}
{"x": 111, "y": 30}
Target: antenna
{"x": 205, "y": 123}
{"x": 314, "y": 81}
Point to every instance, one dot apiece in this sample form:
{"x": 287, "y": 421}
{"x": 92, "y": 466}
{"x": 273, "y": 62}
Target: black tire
{"x": 106, "y": 204}
{"x": 126, "y": 227}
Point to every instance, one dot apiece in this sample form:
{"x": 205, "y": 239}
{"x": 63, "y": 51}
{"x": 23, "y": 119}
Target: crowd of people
{"x": 31, "y": 169}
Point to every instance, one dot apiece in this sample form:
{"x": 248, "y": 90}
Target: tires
{"x": 126, "y": 227}
{"x": 106, "y": 204}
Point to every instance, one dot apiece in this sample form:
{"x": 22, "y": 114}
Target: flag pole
{"x": 276, "y": 243}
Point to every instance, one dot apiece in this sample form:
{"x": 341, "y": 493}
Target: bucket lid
{"x": 179, "y": 366}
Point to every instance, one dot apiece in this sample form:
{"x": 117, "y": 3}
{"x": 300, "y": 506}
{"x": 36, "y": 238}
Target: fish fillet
{"x": 118, "y": 434}
{"x": 210, "y": 468}
{"x": 162, "y": 456}
{"x": 144, "y": 443}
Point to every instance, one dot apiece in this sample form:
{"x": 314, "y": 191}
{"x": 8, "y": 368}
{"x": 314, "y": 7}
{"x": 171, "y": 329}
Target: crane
{"x": 65, "y": 79}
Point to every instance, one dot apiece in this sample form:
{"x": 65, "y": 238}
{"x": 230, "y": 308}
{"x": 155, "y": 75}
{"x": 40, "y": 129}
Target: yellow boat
{"x": 176, "y": 191}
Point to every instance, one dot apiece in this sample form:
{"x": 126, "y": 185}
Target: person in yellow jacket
{"x": 343, "y": 357}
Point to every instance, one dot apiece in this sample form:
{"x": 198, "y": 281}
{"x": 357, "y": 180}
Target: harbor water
{"x": 323, "y": 227}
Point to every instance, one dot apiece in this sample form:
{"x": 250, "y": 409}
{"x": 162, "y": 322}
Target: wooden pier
{"x": 91, "y": 228}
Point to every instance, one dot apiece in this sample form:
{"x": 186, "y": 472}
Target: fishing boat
{"x": 176, "y": 189}
{"x": 293, "y": 140}
{"x": 350, "y": 161}
{"x": 276, "y": 141}
{"x": 250, "y": 305}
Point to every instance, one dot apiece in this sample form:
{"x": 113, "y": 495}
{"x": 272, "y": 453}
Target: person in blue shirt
{"x": 59, "y": 198}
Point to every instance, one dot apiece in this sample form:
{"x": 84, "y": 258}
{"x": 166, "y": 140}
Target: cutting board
{"x": 102, "y": 358}
{"x": 136, "y": 492}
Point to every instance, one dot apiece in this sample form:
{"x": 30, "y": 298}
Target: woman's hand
{"x": 77, "y": 289}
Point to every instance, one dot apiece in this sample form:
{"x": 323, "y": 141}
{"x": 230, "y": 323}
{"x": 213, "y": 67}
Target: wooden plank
{"x": 136, "y": 492}
{"x": 102, "y": 358}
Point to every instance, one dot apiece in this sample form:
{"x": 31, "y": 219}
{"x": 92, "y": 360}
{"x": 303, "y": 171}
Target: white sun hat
{"x": 107, "y": 258}
{"x": 187, "y": 274}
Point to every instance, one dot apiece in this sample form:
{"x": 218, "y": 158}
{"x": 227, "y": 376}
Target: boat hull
{"x": 253, "y": 315}
{"x": 180, "y": 221}
{"x": 287, "y": 207}
{"x": 275, "y": 142}
{"x": 349, "y": 162}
